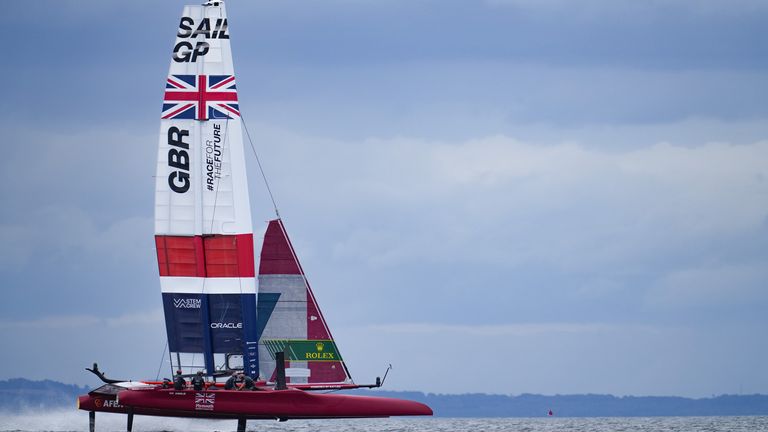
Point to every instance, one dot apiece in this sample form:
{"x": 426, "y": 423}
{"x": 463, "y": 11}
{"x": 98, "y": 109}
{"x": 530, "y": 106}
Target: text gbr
{"x": 178, "y": 158}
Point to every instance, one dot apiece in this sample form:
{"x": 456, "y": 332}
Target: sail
{"x": 290, "y": 319}
{"x": 203, "y": 230}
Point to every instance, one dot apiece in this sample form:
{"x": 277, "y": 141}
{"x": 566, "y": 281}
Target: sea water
{"x": 70, "y": 420}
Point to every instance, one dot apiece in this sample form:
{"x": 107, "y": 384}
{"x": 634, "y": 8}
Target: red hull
{"x": 266, "y": 404}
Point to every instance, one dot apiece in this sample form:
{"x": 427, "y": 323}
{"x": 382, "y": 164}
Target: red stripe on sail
{"x": 176, "y": 256}
{"x": 206, "y": 256}
{"x": 277, "y": 254}
{"x": 199, "y": 255}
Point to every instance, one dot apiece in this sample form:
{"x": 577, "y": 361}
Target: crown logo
{"x": 320, "y": 346}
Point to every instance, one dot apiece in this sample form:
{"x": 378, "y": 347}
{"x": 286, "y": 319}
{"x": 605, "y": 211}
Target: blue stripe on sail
{"x": 266, "y": 305}
{"x": 226, "y": 323}
{"x": 210, "y": 366}
{"x": 218, "y": 323}
{"x": 184, "y": 322}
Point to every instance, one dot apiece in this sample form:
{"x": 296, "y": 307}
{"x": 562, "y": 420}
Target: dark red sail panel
{"x": 277, "y": 254}
{"x": 180, "y": 256}
{"x": 316, "y": 327}
{"x": 327, "y": 371}
{"x": 229, "y": 256}
{"x": 205, "y": 256}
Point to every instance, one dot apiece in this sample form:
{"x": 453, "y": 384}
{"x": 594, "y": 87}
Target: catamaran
{"x": 221, "y": 316}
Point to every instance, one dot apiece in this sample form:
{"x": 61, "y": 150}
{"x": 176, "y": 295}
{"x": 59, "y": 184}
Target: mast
{"x": 203, "y": 230}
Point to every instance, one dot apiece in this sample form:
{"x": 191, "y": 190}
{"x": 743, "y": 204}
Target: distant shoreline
{"x": 19, "y": 394}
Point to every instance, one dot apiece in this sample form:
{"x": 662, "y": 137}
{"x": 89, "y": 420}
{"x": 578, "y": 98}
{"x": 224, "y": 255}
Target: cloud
{"x": 715, "y": 286}
{"x": 126, "y": 346}
{"x": 64, "y": 230}
{"x": 618, "y": 359}
{"x": 80, "y": 322}
{"x": 524, "y": 329}
{"x": 508, "y": 201}
{"x": 548, "y": 231}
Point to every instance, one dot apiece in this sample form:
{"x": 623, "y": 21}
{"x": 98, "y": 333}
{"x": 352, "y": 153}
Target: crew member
{"x": 244, "y": 382}
{"x": 179, "y": 382}
{"x": 230, "y": 384}
{"x": 198, "y": 382}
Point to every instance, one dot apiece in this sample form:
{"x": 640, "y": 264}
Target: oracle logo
{"x": 226, "y": 325}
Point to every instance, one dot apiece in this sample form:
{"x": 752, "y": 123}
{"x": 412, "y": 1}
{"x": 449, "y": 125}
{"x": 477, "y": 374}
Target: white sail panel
{"x": 201, "y": 184}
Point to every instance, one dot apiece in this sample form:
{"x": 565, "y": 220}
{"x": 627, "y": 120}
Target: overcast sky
{"x": 500, "y": 196}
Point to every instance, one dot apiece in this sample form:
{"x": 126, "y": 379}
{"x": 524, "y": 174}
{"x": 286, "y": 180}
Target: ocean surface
{"x": 78, "y": 421}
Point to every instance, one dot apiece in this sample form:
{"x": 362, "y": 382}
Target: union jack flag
{"x": 200, "y": 97}
{"x": 205, "y": 398}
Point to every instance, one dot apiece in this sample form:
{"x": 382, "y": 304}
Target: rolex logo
{"x": 320, "y": 346}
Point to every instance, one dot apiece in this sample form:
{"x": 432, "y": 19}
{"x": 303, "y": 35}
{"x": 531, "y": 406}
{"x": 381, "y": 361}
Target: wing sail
{"x": 290, "y": 319}
{"x": 203, "y": 231}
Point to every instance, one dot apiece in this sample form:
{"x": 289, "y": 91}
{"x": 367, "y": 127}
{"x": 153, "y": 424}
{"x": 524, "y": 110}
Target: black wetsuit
{"x": 179, "y": 383}
{"x": 230, "y": 384}
{"x": 198, "y": 382}
{"x": 248, "y": 383}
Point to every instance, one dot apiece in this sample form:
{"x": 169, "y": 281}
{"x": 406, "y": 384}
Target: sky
{"x": 499, "y": 196}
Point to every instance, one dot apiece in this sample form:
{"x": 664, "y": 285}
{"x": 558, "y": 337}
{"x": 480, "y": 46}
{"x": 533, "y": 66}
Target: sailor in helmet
{"x": 179, "y": 382}
{"x": 230, "y": 384}
{"x": 244, "y": 382}
{"x": 198, "y": 382}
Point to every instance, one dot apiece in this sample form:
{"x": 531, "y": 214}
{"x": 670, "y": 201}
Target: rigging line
{"x": 224, "y": 142}
{"x": 224, "y": 139}
{"x": 157, "y": 377}
{"x": 170, "y": 357}
{"x": 304, "y": 276}
{"x": 261, "y": 169}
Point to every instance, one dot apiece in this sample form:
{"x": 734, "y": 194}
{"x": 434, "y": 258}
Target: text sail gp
{"x": 185, "y": 51}
{"x": 203, "y": 230}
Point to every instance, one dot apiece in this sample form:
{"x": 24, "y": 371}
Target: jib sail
{"x": 203, "y": 229}
{"x": 290, "y": 319}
